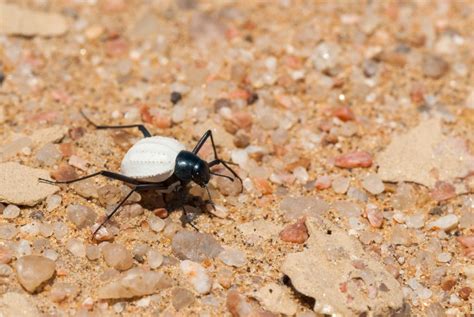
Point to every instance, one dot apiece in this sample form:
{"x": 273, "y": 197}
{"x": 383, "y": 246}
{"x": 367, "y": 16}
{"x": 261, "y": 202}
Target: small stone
{"x": 465, "y": 293}
{"x": 443, "y": 257}
{"x": 5, "y": 270}
{"x": 354, "y": 159}
{"x": 86, "y": 188}
{"x": 8, "y": 231}
{"x": 416, "y": 221}
{"x": 197, "y": 276}
{"x": 51, "y": 254}
{"x": 374, "y": 215}
{"x": 78, "y": 162}
{"x": 62, "y": 291}
{"x": 373, "y": 184}
{"x": 276, "y": 299}
{"x": 434, "y": 66}
{"x": 6, "y": 255}
{"x": 48, "y": 154}
{"x": 295, "y": 233}
{"x": 117, "y": 256}
{"x": 357, "y": 194}
{"x": 53, "y": 202}
{"x": 445, "y": 223}
{"x": 238, "y": 305}
{"x": 156, "y": 223}
{"x": 404, "y": 197}
{"x": 224, "y": 277}
{"x": 323, "y": 182}
{"x": 60, "y": 230}
{"x": 109, "y": 195}
{"x": 131, "y": 211}
{"x": 133, "y": 283}
{"x": 443, "y": 191}
{"x": 181, "y": 298}
{"x": 344, "y": 113}
{"x": 76, "y": 247}
{"x": 65, "y": 172}
{"x": 11, "y": 212}
{"x": 233, "y": 257}
{"x": 341, "y": 184}
{"x": 195, "y": 246}
{"x": 92, "y": 252}
{"x": 34, "y": 270}
{"x": 219, "y": 211}
{"x": 301, "y": 174}
{"x": 155, "y": 259}
{"x": 46, "y": 229}
{"x": 81, "y": 216}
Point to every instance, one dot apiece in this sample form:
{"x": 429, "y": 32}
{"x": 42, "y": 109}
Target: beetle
{"x": 159, "y": 163}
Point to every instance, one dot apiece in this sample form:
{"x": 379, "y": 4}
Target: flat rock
{"x": 15, "y": 20}
{"x": 263, "y": 229}
{"x": 19, "y": 184}
{"x": 17, "y": 305}
{"x": 133, "y": 283}
{"x": 276, "y": 299}
{"x": 424, "y": 155}
{"x": 34, "y": 270}
{"x": 342, "y": 278}
{"x": 195, "y": 246}
{"x": 52, "y": 134}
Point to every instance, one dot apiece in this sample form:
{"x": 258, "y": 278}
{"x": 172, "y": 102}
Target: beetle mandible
{"x": 159, "y": 163}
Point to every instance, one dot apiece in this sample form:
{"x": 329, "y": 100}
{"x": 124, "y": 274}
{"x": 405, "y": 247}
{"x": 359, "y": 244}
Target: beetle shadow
{"x": 195, "y": 205}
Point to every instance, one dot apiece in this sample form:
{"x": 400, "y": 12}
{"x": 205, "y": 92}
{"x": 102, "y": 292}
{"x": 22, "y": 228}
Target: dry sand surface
{"x": 350, "y": 123}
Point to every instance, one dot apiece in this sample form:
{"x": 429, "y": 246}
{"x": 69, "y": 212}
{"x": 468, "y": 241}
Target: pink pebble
{"x": 443, "y": 191}
{"x": 354, "y": 159}
{"x": 295, "y": 233}
{"x": 323, "y": 182}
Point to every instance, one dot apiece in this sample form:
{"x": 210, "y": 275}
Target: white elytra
{"x": 151, "y": 159}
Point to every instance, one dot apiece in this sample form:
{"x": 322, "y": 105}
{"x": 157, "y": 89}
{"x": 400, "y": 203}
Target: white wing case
{"x": 151, "y": 159}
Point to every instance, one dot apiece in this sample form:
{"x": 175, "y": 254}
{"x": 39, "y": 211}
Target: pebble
{"x": 444, "y": 257}
{"x": 295, "y": 233}
{"x": 78, "y": 162}
{"x": 238, "y": 305}
{"x": 301, "y": 174}
{"x": 416, "y": 221}
{"x": 64, "y": 172}
{"x": 374, "y": 215}
{"x": 434, "y": 66}
{"x": 354, "y": 159}
{"x": 76, "y": 247}
{"x": 117, "y": 256}
{"x": 86, "y": 188}
{"x": 51, "y": 254}
{"x": 109, "y": 195}
{"x": 134, "y": 283}
{"x": 5, "y": 270}
{"x": 373, "y": 184}
{"x": 81, "y": 216}
{"x": 181, "y": 298}
{"x": 92, "y": 252}
{"x": 340, "y": 184}
{"x": 344, "y": 113}
{"x": 53, "y": 202}
{"x": 34, "y": 270}
{"x": 233, "y": 257}
{"x": 48, "y": 154}
{"x": 443, "y": 191}
{"x": 195, "y": 246}
{"x": 155, "y": 259}
{"x": 6, "y": 255}
{"x": 323, "y": 182}
{"x": 31, "y": 228}
{"x": 225, "y": 277}
{"x": 197, "y": 275}
{"x": 156, "y": 223}
{"x": 11, "y": 212}
{"x": 60, "y": 230}
{"x": 23, "y": 248}
{"x": 445, "y": 223}
{"x": 62, "y": 291}
{"x": 8, "y": 231}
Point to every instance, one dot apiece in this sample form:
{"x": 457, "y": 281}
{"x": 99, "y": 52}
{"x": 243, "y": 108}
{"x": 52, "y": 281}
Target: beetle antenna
{"x": 221, "y": 175}
{"x": 210, "y": 198}
{"x": 225, "y": 163}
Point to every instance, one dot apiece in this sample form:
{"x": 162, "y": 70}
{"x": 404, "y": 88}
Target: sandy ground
{"x": 289, "y": 88}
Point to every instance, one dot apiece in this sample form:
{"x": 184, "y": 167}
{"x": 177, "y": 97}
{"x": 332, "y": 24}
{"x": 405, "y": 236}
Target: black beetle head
{"x": 201, "y": 174}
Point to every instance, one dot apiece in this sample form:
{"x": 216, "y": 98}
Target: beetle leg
{"x": 140, "y": 127}
{"x": 107, "y": 174}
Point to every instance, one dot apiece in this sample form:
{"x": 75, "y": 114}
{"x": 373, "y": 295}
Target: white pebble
{"x": 53, "y": 202}
{"x": 156, "y": 223}
{"x": 11, "y": 212}
{"x": 445, "y": 223}
{"x": 444, "y": 257}
{"x": 341, "y": 184}
{"x": 373, "y": 184}
{"x": 240, "y": 157}
{"x": 5, "y": 270}
{"x": 301, "y": 175}
{"x": 399, "y": 217}
{"x": 23, "y": 248}
{"x": 76, "y": 247}
{"x": 51, "y": 254}
{"x": 233, "y": 257}
{"x": 155, "y": 259}
{"x": 32, "y": 228}
{"x": 197, "y": 276}
{"x": 416, "y": 221}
